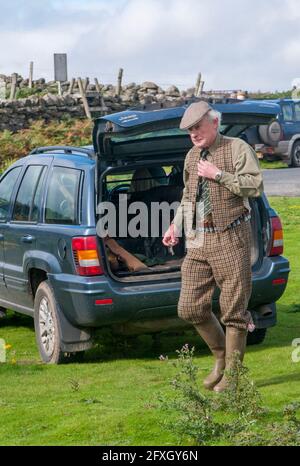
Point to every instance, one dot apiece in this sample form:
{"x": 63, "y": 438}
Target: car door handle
{"x": 27, "y": 239}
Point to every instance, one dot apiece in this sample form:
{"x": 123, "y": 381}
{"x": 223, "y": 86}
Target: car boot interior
{"x": 153, "y": 184}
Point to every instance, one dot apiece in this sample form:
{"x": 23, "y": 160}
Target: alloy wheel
{"x": 297, "y": 155}
{"x": 46, "y": 326}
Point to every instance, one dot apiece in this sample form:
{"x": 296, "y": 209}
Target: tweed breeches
{"x": 223, "y": 260}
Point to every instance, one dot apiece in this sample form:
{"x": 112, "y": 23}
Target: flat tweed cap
{"x": 194, "y": 113}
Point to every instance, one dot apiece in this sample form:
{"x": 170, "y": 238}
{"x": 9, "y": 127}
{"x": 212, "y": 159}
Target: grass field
{"x": 264, "y": 164}
{"x": 110, "y": 397}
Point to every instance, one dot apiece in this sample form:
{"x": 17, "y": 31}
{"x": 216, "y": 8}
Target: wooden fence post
{"x": 197, "y": 84}
{"x": 71, "y": 87}
{"x": 85, "y": 84}
{"x": 103, "y": 105}
{"x": 13, "y": 89}
{"x": 119, "y": 85}
{"x": 84, "y": 99}
{"x": 97, "y": 86}
{"x": 30, "y": 82}
{"x": 200, "y": 89}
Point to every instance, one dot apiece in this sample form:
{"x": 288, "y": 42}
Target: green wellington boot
{"x": 214, "y": 336}
{"x": 235, "y": 341}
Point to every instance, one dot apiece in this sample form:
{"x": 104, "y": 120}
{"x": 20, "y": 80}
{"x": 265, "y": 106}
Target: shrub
{"x": 42, "y": 133}
{"x": 234, "y": 416}
{"x": 203, "y": 418}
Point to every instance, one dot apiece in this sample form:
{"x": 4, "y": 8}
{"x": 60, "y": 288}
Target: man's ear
{"x": 216, "y": 123}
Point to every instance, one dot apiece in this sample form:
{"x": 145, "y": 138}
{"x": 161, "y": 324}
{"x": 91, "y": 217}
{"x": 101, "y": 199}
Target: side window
{"x": 297, "y": 111}
{"x": 7, "y": 185}
{"x": 62, "y": 196}
{"x": 27, "y": 201}
{"x": 287, "y": 111}
{"x": 36, "y": 205}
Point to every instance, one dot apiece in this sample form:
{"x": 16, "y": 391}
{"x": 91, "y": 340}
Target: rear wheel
{"x": 296, "y": 155}
{"x": 46, "y": 325}
{"x": 257, "y": 336}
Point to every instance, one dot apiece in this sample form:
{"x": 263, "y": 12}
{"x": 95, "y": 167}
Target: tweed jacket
{"x": 227, "y": 200}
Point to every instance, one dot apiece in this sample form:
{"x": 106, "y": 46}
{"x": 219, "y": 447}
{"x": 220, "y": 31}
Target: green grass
{"x": 110, "y": 398}
{"x": 264, "y": 164}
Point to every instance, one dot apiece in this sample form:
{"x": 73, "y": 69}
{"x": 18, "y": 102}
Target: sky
{"x": 235, "y": 44}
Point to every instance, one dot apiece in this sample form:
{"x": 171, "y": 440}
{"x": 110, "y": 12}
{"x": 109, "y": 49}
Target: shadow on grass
{"x": 14, "y": 319}
{"x": 278, "y": 380}
{"x": 293, "y": 308}
{"x": 109, "y": 347}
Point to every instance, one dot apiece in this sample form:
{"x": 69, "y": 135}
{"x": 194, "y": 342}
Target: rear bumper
{"x": 265, "y": 316}
{"x": 150, "y": 301}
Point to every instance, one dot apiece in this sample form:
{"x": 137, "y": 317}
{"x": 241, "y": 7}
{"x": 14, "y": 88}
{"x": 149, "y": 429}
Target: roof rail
{"x": 66, "y": 149}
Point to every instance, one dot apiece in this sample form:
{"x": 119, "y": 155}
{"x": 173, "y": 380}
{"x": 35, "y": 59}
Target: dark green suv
{"x": 56, "y": 267}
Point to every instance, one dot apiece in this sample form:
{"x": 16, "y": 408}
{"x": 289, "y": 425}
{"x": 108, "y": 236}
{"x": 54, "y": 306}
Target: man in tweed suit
{"x": 224, "y": 172}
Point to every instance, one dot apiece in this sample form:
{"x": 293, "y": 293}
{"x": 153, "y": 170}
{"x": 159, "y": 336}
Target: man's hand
{"x": 171, "y": 236}
{"x": 207, "y": 169}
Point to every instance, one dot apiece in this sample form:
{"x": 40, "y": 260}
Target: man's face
{"x": 204, "y": 133}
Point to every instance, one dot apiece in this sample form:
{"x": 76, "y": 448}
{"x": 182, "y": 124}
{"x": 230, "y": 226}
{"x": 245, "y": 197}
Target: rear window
{"x": 151, "y": 134}
{"x": 287, "y": 111}
{"x": 297, "y": 111}
{"x": 156, "y": 134}
{"x": 63, "y": 196}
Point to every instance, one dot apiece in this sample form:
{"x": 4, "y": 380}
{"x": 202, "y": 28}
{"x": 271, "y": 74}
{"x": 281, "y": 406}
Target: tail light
{"x": 86, "y": 256}
{"x": 270, "y": 150}
{"x": 276, "y": 244}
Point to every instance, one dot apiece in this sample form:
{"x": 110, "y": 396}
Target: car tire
{"x": 268, "y": 158}
{"x": 257, "y": 336}
{"x": 46, "y": 325}
{"x": 296, "y": 155}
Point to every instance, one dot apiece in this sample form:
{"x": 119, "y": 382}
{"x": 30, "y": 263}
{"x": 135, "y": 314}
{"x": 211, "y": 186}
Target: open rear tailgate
{"x": 144, "y": 133}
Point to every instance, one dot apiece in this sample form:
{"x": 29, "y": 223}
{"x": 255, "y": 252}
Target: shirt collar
{"x": 213, "y": 147}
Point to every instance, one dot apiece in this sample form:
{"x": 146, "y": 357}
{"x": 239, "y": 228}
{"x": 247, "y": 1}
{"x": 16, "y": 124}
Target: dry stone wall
{"x": 46, "y": 104}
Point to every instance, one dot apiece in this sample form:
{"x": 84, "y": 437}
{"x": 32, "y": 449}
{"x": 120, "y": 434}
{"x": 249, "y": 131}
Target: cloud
{"x": 248, "y": 45}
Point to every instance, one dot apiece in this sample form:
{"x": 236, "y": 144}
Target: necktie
{"x": 203, "y": 197}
